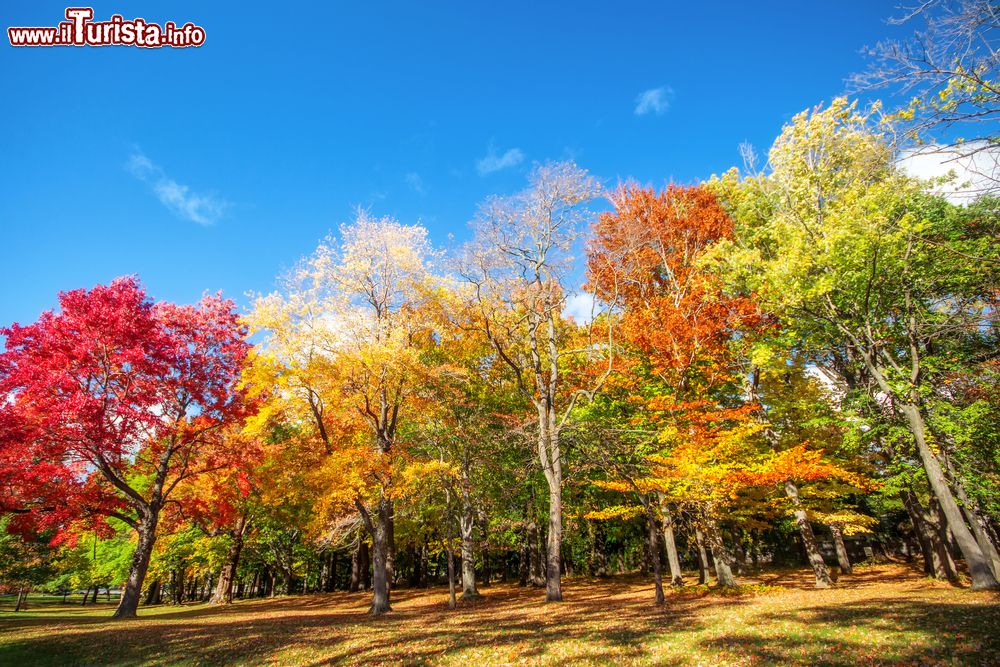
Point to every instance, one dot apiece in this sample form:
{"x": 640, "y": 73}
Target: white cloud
{"x": 415, "y": 183}
{"x": 200, "y": 208}
{"x": 580, "y": 307}
{"x": 976, "y": 168}
{"x": 493, "y": 162}
{"x": 654, "y": 100}
{"x": 140, "y": 166}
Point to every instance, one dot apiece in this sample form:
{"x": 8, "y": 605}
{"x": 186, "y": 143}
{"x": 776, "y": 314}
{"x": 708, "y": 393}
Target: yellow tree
{"x": 853, "y": 255}
{"x": 346, "y": 348}
{"x": 805, "y": 435}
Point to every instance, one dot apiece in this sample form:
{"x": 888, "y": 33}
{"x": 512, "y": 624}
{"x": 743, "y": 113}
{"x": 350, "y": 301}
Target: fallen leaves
{"x": 884, "y": 615}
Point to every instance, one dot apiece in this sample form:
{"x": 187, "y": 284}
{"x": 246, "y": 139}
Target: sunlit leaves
{"x": 113, "y": 390}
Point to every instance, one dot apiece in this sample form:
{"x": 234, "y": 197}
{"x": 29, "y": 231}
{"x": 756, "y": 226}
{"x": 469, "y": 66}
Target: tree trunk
{"x": 423, "y": 580}
{"x": 173, "y": 586}
{"x": 450, "y": 554}
{"x": 328, "y": 572}
{"x": 451, "y": 574}
{"x": 823, "y": 579}
{"x": 930, "y": 545}
{"x": 224, "y": 589}
{"x": 720, "y": 554}
{"x": 549, "y": 451}
{"x": 129, "y": 603}
{"x": 740, "y": 555}
{"x": 973, "y": 513}
{"x": 991, "y": 528}
{"x": 390, "y": 557}
{"x": 704, "y": 575}
{"x": 487, "y": 563}
{"x": 22, "y": 593}
{"x": 652, "y": 531}
{"x": 524, "y": 560}
{"x": 979, "y": 528}
{"x": 380, "y": 529}
{"x": 838, "y": 542}
{"x": 364, "y": 567}
{"x": 673, "y": 560}
{"x": 944, "y": 541}
{"x": 153, "y": 593}
{"x": 979, "y": 566}
{"x": 536, "y": 576}
{"x": 553, "y": 581}
{"x": 645, "y": 560}
{"x": 355, "y": 581}
{"x": 467, "y": 526}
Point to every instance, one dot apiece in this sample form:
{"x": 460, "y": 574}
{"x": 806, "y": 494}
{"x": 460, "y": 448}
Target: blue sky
{"x": 216, "y": 168}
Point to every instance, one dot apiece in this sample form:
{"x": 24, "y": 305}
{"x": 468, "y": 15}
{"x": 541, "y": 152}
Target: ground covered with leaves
{"x": 881, "y": 615}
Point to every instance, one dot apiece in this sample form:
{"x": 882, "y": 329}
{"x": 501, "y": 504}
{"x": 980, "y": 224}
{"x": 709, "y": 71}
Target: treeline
{"x": 796, "y": 364}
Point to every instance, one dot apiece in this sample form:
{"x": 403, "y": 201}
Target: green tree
{"x": 854, "y": 255}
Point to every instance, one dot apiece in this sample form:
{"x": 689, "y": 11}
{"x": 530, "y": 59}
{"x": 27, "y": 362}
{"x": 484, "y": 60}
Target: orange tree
{"x": 682, "y": 409}
{"x": 699, "y": 438}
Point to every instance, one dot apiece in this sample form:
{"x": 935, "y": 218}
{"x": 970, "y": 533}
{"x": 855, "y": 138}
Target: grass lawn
{"x": 881, "y": 615}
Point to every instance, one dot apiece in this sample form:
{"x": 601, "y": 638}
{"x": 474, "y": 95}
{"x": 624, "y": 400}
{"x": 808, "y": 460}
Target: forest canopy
{"x": 792, "y": 361}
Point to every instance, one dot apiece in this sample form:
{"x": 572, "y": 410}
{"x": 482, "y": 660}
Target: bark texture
{"x": 843, "y": 560}
{"x": 224, "y": 588}
{"x": 822, "y": 573}
{"x": 467, "y": 528}
{"x": 129, "y": 603}
{"x": 720, "y": 554}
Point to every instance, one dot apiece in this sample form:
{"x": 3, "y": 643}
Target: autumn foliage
{"x": 115, "y": 400}
{"x": 644, "y": 257}
{"x": 762, "y": 367}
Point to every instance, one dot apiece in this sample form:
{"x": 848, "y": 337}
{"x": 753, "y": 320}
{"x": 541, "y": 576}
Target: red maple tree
{"x": 110, "y": 403}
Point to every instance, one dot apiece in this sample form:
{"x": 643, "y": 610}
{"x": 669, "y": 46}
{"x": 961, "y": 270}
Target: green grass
{"x": 882, "y": 615}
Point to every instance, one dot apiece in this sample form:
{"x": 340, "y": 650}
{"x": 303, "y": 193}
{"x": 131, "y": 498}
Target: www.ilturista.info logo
{"x": 80, "y": 30}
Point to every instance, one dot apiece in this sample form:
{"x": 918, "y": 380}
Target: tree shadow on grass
{"x": 336, "y": 629}
{"x": 910, "y": 631}
{"x": 601, "y": 622}
{"x": 803, "y": 579}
